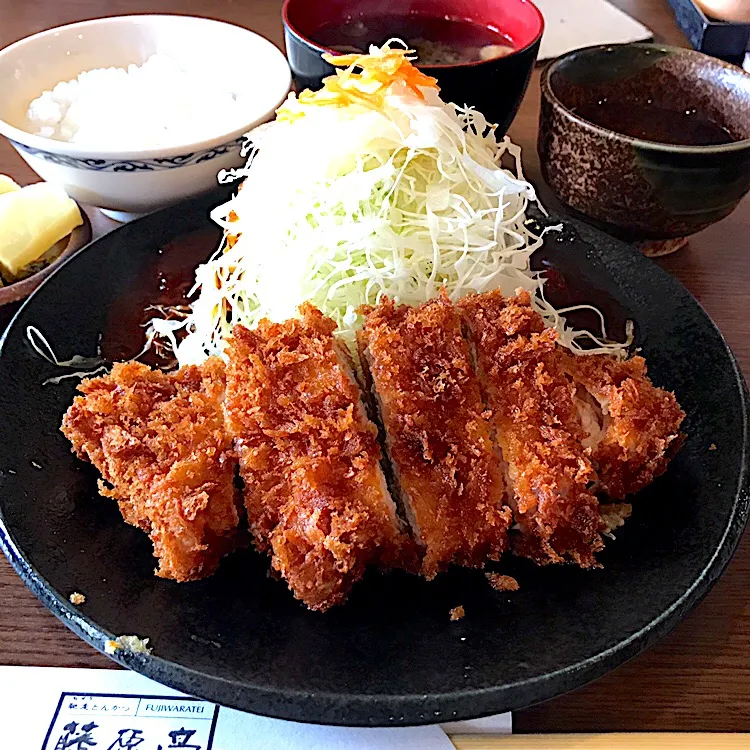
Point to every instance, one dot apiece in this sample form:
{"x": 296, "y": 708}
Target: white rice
{"x": 151, "y": 105}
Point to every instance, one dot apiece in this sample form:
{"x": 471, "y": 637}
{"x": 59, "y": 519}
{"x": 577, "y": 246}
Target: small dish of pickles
{"x": 39, "y": 225}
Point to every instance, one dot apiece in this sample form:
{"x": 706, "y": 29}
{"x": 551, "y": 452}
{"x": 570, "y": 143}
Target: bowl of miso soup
{"x": 482, "y": 52}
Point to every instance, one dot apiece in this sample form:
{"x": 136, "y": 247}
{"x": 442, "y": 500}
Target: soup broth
{"x": 437, "y": 41}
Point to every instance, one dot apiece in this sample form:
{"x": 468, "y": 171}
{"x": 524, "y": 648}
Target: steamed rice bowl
{"x": 155, "y": 104}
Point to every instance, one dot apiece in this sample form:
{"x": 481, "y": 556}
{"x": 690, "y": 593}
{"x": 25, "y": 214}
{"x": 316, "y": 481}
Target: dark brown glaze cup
{"x": 495, "y": 87}
{"x": 636, "y": 189}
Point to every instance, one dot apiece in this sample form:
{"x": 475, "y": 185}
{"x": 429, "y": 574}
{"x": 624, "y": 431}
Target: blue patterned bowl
{"x": 127, "y": 182}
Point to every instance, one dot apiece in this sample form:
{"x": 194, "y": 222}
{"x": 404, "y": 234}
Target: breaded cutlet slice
{"x": 438, "y": 440}
{"x": 538, "y": 429}
{"x": 315, "y": 494}
{"x": 159, "y": 442}
{"x": 637, "y": 425}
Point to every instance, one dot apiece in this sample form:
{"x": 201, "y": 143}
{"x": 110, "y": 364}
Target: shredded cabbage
{"x": 91, "y": 365}
{"x": 373, "y": 186}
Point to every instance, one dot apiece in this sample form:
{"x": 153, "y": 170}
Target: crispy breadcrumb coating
{"x": 501, "y": 582}
{"x": 640, "y": 422}
{"x": 159, "y": 442}
{"x": 438, "y": 440}
{"x": 315, "y": 494}
{"x": 457, "y": 613}
{"x": 538, "y": 428}
{"x": 481, "y": 409}
{"x": 614, "y": 515}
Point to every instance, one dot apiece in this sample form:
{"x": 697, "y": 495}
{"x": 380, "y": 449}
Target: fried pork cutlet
{"x": 538, "y": 429}
{"x": 159, "y": 442}
{"x": 315, "y": 494}
{"x": 636, "y": 429}
{"x": 438, "y": 440}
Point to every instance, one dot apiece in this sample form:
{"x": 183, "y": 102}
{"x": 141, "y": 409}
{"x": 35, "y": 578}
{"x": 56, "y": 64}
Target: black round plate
{"x": 390, "y": 656}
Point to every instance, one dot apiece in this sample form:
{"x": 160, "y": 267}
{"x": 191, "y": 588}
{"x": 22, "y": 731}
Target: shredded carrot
{"x": 365, "y": 80}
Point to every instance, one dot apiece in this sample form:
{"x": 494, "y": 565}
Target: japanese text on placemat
{"x": 84, "y": 721}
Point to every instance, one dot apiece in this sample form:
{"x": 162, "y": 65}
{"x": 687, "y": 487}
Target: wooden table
{"x": 698, "y": 677}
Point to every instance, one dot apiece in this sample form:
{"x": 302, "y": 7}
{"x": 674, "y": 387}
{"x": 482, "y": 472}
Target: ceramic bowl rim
{"x": 271, "y": 53}
{"x": 548, "y": 93}
{"x": 300, "y": 37}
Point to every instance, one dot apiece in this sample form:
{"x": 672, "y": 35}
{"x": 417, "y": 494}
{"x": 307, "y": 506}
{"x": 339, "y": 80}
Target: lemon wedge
{"x": 32, "y": 220}
{"x": 7, "y": 185}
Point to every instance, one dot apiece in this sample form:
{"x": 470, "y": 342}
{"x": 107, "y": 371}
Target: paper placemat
{"x": 572, "y": 24}
{"x": 51, "y": 708}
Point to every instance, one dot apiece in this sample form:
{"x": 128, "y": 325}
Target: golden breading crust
{"x": 314, "y": 491}
{"x": 640, "y": 422}
{"x": 158, "y": 440}
{"x": 438, "y": 440}
{"x": 538, "y": 428}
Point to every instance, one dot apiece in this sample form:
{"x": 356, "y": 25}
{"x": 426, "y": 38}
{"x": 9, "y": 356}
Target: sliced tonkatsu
{"x": 159, "y": 442}
{"x": 315, "y": 493}
{"x": 437, "y": 438}
{"x": 538, "y": 428}
{"x": 636, "y": 426}
{"x": 486, "y": 421}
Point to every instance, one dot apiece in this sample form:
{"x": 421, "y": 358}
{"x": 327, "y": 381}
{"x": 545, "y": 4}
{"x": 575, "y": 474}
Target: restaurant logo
{"x": 119, "y": 722}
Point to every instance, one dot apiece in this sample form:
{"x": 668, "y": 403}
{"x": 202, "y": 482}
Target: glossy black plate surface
{"x": 390, "y": 656}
